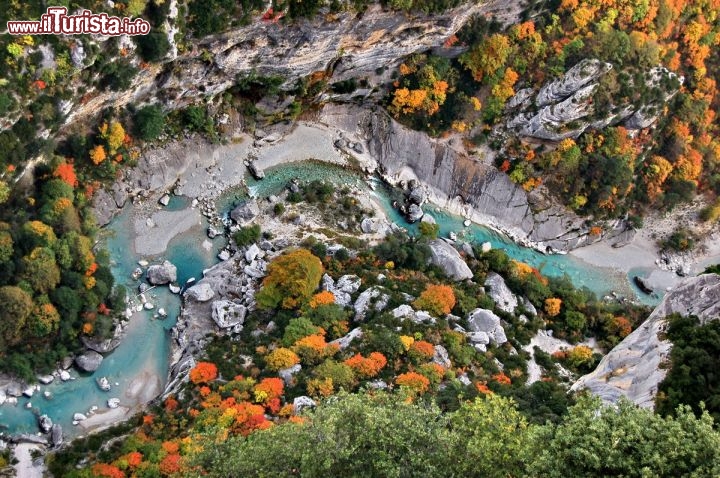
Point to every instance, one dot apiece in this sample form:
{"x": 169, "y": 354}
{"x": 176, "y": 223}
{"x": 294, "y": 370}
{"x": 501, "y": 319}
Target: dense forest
{"x": 605, "y": 172}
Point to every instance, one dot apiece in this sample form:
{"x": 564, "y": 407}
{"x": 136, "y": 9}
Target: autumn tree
{"x": 65, "y": 171}
{"x": 281, "y": 358}
{"x": 488, "y": 57}
{"x": 16, "y": 305}
{"x": 97, "y": 154}
{"x": 437, "y": 299}
{"x": 203, "y": 372}
{"x": 367, "y": 367}
{"x": 291, "y": 280}
{"x": 552, "y": 306}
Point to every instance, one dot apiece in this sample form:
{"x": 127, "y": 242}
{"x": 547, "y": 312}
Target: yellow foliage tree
{"x": 97, "y": 154}
{"x": 552, "y": 306}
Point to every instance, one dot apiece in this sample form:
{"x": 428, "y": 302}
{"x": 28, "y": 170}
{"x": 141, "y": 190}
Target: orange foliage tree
{"x": 421, "y": 350}
{"x": 413, "y": 382}
{"x": 436, "y": 299}
{"x": 203, "y": 372}
{"x": 322, "y": 298}
{"x": 552, "y": 306}
{"x": 66, "y": 173}
{"x": 367, "y": 367}
{"x": 97, "y": 154}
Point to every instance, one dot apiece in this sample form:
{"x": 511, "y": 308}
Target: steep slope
{"x": 634, "y": 367}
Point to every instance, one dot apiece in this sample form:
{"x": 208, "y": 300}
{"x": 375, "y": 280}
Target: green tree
{"x": 298, "y": 328}
{"x": 153, "y": 46}
{"x": 15, "y": 307}
{"x": 40, "y": 270}
{"x": 396, "y": 439}
{"x": 492, "y": 436}
{"x": 149, "y": 122}
{"x": 624, "y": 440}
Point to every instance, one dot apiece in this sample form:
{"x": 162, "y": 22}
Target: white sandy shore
{"x": 306, "y": 141}
{"x": 24, "y": 467}
{"x": 154, "y": 239}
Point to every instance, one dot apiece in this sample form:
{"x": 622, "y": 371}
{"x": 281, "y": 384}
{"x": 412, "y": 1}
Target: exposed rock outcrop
{"x": 448, "y": 259}
{"x": 633, "y": 368}
{"x": 459, "y": 183}
{"x": 374, "y": 297}
{"x": 227, "y": 314}
{"x": 499, "y": 292}
{"x": 564, "y": 108}
{"x": 485, "y": 321}
{"x": 342, "y": 290}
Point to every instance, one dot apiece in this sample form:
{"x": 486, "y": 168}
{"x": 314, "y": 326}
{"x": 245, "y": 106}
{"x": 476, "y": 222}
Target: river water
{"x": 144, "y": 351}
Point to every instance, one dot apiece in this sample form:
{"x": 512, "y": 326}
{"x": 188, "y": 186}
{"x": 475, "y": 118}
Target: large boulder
{"x": 245, "y": 212}
{"x": 228, "y": 314}
{"x": 160, "y": 274}
{"x": 89, "y": 361}
{"x": 201, "y": 292}
{"x": 56, "y": 437}
{"x": 504, "y": 299}
{"x": 414, "y": 213}
{"x": 483, "y": 320}
{"x": 634, "y": 368}
{"x": 448, "y": 259}
{"x": 303, "y": 402}
{"x": 45, "y": 423}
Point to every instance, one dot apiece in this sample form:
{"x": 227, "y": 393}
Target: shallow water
{"x": 146, "y": 346}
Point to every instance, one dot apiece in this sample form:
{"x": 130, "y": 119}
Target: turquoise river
{"x": 145, "y": 349}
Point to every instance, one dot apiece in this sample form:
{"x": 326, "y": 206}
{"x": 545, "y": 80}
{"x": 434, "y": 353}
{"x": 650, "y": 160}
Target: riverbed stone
{"x": 160, "y": 274}
{"x": 252, "y": 252}
{"x": 414, "y": 213}
{"x": 45, "y": 423}
{"x": 447, "y": 258}
{"x": 245, "y": 212}
{"x": 56, "y": 435}
{"x": 89, "y": 361}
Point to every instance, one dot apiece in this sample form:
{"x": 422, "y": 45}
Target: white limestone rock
{"x": 499, "y": 292}
{"x": 482, "y": 320}
{"x": 448, "y": 259}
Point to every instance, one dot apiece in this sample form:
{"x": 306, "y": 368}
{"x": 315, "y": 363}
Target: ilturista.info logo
{"x": 56, "y": 21}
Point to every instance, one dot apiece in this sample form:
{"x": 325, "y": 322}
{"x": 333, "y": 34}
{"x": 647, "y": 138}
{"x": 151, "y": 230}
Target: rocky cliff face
{"x": 460, "y": 183}
{"x": 633, "y": 368}
{"x": 349, "y": 45}
{"x": 564, "y": 108}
